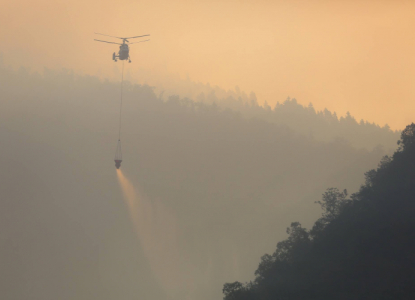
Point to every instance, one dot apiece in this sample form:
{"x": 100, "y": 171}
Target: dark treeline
{"x": 322, "y": 125}
{"x": 228, "y": 180}
{"x": 361, "y": 248}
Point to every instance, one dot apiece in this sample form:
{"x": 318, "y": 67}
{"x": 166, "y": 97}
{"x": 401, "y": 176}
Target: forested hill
{"x": 223, "y": 181}
{"x": 322, "y": 125}
{"x": 361, "y": 248}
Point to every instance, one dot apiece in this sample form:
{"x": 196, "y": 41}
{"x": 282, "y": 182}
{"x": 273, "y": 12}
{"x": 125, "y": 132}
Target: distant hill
{"x": 229, "y": 179}
{"x": 322, "y": 125}
{"x": 361, "y": 248}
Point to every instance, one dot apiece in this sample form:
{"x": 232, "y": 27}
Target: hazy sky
{"x": 355, "y": 56}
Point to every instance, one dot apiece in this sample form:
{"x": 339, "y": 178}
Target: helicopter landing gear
{"x": 129, "y": 61}
{"x": 114, "y": 58}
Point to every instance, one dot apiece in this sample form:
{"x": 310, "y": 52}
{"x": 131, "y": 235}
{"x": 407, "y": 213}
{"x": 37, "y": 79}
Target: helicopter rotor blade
{"x": 107, "y": 42}
{"x": 122, "y": 38}
{"x": 117, "y": 37}
{"x": 138, "y": 42}
{"x": 138, "y": 36}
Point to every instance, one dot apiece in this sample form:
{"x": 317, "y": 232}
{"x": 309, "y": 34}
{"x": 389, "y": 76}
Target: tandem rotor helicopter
{"x": 124, "y": 52}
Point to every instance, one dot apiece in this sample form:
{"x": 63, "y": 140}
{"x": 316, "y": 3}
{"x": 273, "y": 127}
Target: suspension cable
{"x": 122, "y": 81}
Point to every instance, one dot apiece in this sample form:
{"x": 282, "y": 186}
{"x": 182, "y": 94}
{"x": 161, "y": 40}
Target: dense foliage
{"x": 361, "y": 248}
{"x": 323, "y": 125}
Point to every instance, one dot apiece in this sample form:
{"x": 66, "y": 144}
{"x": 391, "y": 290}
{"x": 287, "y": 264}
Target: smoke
{"x": 157, "y": 230}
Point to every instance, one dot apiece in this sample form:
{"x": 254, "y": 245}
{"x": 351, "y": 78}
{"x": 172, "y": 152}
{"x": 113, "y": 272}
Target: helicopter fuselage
{"x": 124, "y": 52}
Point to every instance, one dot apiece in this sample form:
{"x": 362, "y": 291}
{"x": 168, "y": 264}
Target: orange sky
{"x": 356, "y": 56}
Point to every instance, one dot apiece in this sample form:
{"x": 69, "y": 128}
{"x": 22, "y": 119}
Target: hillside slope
{"x": 361, "y": 248}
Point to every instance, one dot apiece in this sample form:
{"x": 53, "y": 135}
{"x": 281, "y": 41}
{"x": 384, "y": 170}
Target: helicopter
{"x": 124, "y": 52}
